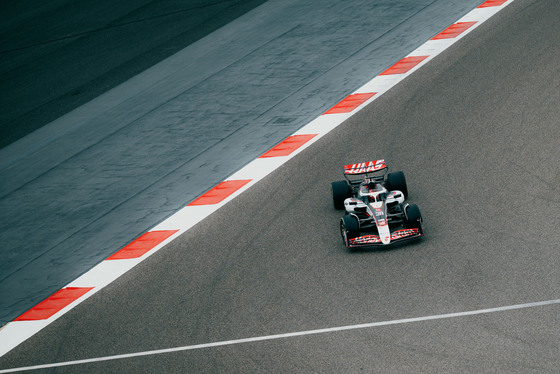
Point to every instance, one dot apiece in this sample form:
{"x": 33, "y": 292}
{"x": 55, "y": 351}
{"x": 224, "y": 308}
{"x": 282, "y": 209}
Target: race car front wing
{"x": 396, "y": 236}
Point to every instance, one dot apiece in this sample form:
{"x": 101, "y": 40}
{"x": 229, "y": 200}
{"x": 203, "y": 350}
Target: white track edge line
{"x": 289, "y": 335}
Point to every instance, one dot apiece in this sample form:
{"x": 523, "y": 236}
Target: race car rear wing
{"x": 354, "y": 173}
{"x": 365, "y": 167}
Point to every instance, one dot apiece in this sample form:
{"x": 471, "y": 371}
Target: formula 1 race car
{"x": 376, "y": 213}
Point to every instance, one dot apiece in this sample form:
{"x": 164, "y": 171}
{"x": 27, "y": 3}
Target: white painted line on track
{"x": 287, "y": 335}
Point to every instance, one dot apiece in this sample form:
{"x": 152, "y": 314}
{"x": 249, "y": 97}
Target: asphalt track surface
{"x": 476, "y": 132}
{"x": 83, "y": 186}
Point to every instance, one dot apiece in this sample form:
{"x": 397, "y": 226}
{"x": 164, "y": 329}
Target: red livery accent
{"x": 404, "y": 65}
{"x": 350, "y": 103}
{"x": 54, "y": 303}
{"x": 404, "y": 233}
{"x": 491, "y": 3}
{"x": 365, "y": 167}
{"x": 142, "y": 245}
{"x": 454, "y": 30}
{"x": 374, "y": 239}
{"x": 366, "y": 239}
{"x": 220, "y": 192}
{"x": 289, "y": 145}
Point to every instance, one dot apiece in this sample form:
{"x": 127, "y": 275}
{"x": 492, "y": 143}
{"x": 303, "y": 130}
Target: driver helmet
{"x": 370, "y": 183}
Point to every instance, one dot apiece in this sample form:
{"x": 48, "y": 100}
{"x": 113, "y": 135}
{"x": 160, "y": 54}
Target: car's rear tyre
{"x": 397, "y": 181}
{"x": 413, "y": 216}
{"x": 340, "y": 192}
{"x": 349, "y": 228}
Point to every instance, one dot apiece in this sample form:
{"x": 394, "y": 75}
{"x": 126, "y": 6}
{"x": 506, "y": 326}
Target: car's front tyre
{"x": 413, "y": 216}
{"x": 349, "y": 228}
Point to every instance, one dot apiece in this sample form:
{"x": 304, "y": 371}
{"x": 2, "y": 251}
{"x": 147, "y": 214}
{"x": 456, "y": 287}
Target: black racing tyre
{"x": 340, "y": 191}
{"x": 349, "y": 228}
{"x": 397, "y": 181}
{"x": 413, "y": 216}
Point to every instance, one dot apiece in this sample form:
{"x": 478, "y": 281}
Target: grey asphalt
{"x": 84, "y": 185}
{"x": 476, "y": 132}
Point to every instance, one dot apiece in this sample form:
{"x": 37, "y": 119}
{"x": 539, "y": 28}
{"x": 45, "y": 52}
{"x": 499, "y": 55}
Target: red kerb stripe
{"x": 454, "y": 30}
{"x": 143, "y": 244}
{"x": 490, "y": 3}
{"x": 404, "y": 65}
{"x": 350, "y": 103}
{"x": 289, "y": 145}
{"x": 54, "y": 303}
{"x": 220, "y": 192}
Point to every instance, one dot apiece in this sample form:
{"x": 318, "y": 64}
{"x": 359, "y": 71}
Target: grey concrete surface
{"x": 86, "y": 184}
{"x": 57, "y": 55}
{"x": 476, "y": 132}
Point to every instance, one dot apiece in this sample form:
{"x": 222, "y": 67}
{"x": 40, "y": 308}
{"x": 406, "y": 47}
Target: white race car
{"x": 373, "y": 199}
